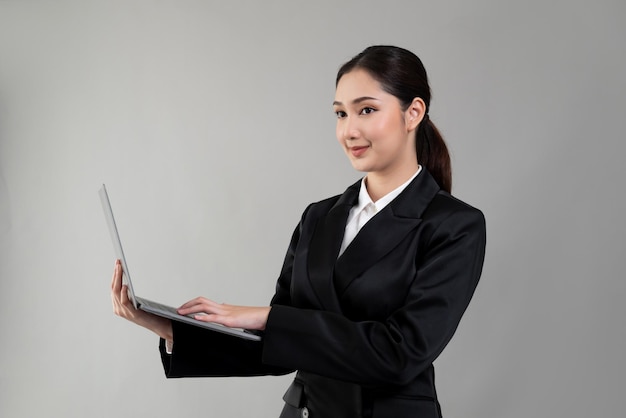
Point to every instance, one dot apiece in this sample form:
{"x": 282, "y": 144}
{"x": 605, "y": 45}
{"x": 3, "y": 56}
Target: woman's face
{"x": 374, "y": 131}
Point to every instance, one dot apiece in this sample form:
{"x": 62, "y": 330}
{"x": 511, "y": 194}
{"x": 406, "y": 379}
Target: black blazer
{"x": 373, "y": 320}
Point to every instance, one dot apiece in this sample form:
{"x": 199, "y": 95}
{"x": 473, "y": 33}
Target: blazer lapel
{"x": 324, "y": 248}
{"x": 385, "y": 230}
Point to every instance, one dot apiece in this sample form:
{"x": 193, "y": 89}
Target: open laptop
{"x": 154, "y": 307}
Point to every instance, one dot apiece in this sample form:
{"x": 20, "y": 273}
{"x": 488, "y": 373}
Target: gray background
{"x": 211, "y": 124}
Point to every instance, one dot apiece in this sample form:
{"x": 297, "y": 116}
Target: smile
{"x": 358, "y": 151}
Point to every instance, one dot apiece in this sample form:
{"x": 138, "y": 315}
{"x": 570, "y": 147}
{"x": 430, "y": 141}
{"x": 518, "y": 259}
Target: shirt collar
{"x": 365, "y": 199}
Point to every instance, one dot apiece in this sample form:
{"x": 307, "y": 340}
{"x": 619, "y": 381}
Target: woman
{"x": 375, "y": 281}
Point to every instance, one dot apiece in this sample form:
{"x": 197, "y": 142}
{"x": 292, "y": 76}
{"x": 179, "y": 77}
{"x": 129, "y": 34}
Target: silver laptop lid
{"x": 117, "y": 244}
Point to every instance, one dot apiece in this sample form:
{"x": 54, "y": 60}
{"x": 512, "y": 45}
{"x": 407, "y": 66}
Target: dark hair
{"x": 402, "y": 74}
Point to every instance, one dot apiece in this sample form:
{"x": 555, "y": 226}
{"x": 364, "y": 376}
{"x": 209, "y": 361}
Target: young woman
{"x": 375, "y": 280}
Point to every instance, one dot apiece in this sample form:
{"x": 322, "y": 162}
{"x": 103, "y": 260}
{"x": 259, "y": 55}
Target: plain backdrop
{"x": 211, "y": 124}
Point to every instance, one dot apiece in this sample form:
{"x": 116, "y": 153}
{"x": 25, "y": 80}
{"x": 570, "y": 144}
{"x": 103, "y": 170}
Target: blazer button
{"x": 305, "y": 412}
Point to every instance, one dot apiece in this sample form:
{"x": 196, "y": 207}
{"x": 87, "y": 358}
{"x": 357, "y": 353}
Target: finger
{"x": 197, "y": 308}
{"x": 117, "y": 277}
{"x": 118, "y": 305}
{"x": 124, "y": 299}
{"x": 198, "y": 301}
{"x": 193, "y": 302}
{"x": 204, "y": 317}
{"x": 126, "y": 306}
{"x": 225, "y": 320}
{"x": 115, "y": 287}
{"x": 208, "y": 307}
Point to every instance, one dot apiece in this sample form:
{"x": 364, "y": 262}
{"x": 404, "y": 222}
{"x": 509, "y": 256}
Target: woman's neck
{"x": 379, "y": 184}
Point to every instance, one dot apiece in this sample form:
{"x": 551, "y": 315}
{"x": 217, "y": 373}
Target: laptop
{"x": 151, "y": 306}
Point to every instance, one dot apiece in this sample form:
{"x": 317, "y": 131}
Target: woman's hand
{"x": 122, "y": 306}
{"x": 247, "y": 317}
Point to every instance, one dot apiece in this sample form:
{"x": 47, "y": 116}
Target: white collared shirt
{"x": 365, "y": 210}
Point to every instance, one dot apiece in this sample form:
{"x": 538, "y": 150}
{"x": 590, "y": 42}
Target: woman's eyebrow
{"x": 355, "y": 101}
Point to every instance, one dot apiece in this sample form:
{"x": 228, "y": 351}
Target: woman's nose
{"x": 350, "y": 128}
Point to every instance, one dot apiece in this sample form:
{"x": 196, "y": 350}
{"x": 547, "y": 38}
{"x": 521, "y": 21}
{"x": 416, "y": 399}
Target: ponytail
{"x": 432, "y": 153}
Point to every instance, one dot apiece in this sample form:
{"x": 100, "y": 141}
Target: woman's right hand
{"x": 123, "y": 307}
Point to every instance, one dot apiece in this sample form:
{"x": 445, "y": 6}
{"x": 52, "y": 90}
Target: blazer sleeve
{"x": 395, "y": 351}
{"x": 198, "y": 352}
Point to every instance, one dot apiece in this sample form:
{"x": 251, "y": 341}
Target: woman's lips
{"x": 358, "y": 151}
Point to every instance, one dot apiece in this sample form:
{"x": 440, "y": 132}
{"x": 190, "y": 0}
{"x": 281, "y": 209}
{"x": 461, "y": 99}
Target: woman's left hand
{"x": 247, "y": 317}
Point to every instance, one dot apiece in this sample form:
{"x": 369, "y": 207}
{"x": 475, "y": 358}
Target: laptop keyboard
{"x": 156, "y": 305}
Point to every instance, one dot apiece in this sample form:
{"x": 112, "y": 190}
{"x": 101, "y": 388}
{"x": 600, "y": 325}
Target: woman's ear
{"x": 415, "y": 113}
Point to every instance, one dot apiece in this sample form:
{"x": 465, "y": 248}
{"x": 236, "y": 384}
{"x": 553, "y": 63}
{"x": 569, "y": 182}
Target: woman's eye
{"x": 367, "y": 110}
{"x": 340, "y": 114}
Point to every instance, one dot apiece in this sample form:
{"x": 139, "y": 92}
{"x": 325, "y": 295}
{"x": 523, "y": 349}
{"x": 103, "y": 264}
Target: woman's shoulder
{"x": 444, "y": 206}
{"x": 346, "y": 199}
{"x": 322, "y": 207}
